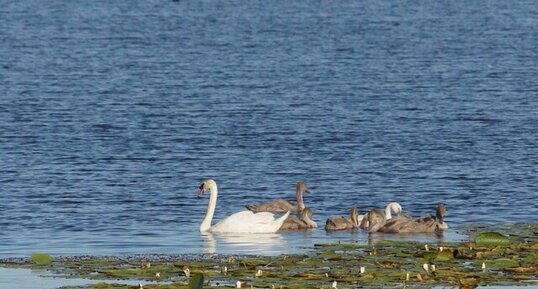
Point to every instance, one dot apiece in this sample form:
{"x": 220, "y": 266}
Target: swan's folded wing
{"x": 292, "y": 223}
{"x": 427, "y": 219}
{"x": 336, "y": 223}
{"x": 248, "y": 222}
{"x": 279, "y": 205}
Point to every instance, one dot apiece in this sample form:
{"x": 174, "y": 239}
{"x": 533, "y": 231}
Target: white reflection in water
{"x": 301, "y": 241}
{"x": 262, "y": 244}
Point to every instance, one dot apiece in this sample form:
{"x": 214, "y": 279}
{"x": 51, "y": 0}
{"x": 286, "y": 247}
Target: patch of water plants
{"x": 505, "y": 257}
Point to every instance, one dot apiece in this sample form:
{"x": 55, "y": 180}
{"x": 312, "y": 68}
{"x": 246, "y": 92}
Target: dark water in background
{"x": 112, "y": 114}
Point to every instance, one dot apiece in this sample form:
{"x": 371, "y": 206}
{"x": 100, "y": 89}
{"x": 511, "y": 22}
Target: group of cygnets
{"x": 260, "y": 218}
{"x": 376, "y": 220}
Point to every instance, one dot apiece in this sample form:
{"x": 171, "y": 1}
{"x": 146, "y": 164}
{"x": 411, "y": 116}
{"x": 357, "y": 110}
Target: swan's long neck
{"x": 439, "y": 215}
{"x": 206, "y": 223}
{"x": 310, "y": 223}
{"x": 306, "y": 217}
{"x": 354, "y": 219}
{"x": 388, "y": 215}
{"x": 392, "y": 208}
{"x": 300, "y": 202}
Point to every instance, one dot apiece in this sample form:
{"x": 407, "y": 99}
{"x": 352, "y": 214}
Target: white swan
{"x": 241, "y": 222}
{"x": 391, "y": 207}
{"x": 395, "y": 208}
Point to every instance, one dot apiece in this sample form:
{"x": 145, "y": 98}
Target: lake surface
{"x": 112, "y": 114}
{"x": 43, "y": 279}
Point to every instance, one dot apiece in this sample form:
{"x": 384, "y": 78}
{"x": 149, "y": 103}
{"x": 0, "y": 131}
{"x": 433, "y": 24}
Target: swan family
{"x": 261, "y": 218}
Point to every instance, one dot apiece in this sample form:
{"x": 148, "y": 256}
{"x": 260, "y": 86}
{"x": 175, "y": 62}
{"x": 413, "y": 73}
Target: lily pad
{"x": 502, "y": 263}
{"x": 492, "y": 239}
{"x": 445, "y": 256}
{"x": 42, "y": 259}
{"x": 196, "y": 282}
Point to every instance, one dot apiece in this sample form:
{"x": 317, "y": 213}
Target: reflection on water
{"x": 264, "y": 244}
{"x": 209, "y": 246}
{"x": 301, "y": 241}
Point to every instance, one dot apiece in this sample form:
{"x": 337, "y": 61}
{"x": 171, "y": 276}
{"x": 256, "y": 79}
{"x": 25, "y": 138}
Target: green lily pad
{"x": 491, "y": 239}
{"x": 503, "y": 263}
{"x": 196, "y": 282}
{"x": 445, "y": 256}
{"x": 531, "y": 258}
{"x": 42, "y": 259}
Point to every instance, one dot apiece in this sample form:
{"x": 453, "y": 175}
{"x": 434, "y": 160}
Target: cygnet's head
{"x": 376, "y": 219}
{"x": 441, "y": 211}
{"x": 307, "y": 213}
{"x": 302, "y": 188}
{"x": 440, "y": 214}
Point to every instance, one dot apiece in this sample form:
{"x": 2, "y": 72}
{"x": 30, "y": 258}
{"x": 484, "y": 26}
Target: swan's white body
{"x": 241, "y": 222}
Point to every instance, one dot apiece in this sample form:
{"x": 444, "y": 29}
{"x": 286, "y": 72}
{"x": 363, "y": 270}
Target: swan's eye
{"x": 201, "y": 186}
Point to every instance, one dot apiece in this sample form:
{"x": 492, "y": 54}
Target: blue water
{"x": 113, "y": 112}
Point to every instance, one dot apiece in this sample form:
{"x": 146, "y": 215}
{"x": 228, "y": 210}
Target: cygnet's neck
{"x": 300, "y": 202}
{"x": 309, "y": 222}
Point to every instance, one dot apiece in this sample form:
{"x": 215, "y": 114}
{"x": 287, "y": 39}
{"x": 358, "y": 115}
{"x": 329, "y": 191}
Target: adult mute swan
{"x": 241, "y": 222}
{"x": 282, "y": 205}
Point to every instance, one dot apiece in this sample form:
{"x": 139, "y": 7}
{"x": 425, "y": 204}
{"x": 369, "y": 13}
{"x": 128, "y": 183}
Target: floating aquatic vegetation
{"x": 196, "y": 281}
{"x": 41, "y": 259}
{"x": 445, "y": 256}
{"x": 491, "y": 239}
{"x": 501, "y": 263}
{"x": 387, "y": 264}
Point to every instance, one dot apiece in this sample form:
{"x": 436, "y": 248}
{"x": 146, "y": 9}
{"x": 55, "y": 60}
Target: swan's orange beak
{"x": 201, "y": 191}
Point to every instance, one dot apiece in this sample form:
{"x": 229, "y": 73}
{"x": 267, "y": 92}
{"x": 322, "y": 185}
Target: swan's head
{"x": 307, "y": 213}
{"x": 440, "y": 214}
{"x": 441, "y": 211}
{"x": 395, "y": 208}
{"x": 207, "y": 185}
{"x": 301, "y": 188}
